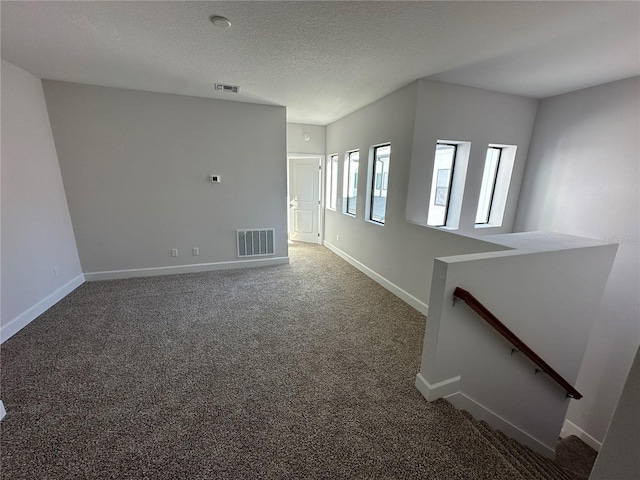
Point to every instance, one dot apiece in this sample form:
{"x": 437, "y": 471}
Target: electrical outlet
{"x": 195, "y": 251}
{"x": 174, "y": 252}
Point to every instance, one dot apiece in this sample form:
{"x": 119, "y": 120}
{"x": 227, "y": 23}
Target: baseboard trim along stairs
{"x": 569, "y": 428}
{"x": 449, "y": 390}
{"x": 529, "y": 464}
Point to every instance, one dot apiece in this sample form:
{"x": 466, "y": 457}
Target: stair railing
{"x": 518, "y": 344}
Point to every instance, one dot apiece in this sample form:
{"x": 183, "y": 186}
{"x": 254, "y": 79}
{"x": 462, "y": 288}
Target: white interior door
{"x": 304, "y": 199}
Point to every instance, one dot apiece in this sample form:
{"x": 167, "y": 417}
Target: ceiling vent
{"x": 227, "y": 88}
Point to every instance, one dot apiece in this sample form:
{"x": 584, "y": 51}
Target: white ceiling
{"x": 323, "y": 60}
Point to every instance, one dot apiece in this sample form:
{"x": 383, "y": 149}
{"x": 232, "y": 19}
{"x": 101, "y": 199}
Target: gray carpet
{"x": 298, "y": 371}
{"x": 575, "y": 456}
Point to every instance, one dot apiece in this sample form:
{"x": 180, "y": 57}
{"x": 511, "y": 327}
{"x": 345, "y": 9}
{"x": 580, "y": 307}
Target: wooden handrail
{"x": 503, "y": 330}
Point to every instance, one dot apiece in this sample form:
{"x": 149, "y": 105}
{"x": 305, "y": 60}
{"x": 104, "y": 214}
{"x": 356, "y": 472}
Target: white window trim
{"x": 334, "y": 189}
{"x": 503, "y": 184}
{"x": 456, "y": 194}
{"x": 370, "y": 174}
{"x": 345, "y": 184}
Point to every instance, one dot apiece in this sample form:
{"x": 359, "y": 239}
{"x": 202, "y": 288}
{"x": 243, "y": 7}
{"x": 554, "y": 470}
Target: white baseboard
{"x": 480, "y": 412}
{"x": 392, "y": 287}
{"x": 437, "y": 390}
{"x": 449, "y": 390}
{"x": 198, "y": 267}
{"x": 3, "y": 412}
{"x": 26, "y": 317}
{"x": 570, "y": 428}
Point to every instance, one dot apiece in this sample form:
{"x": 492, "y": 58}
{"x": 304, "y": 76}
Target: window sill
{"x": 445, "y": 227}
{"x": 486, "y": 225}
{"x": 373, "y": 222}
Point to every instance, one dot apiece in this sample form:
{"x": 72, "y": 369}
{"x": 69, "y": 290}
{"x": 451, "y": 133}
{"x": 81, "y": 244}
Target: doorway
{"x": 304, "y": 198}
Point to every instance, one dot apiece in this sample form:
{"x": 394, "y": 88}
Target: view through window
{"x": 380, "y": 183}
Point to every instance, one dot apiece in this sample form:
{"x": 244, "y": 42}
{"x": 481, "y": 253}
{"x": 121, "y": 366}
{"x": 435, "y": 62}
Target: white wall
{"x": 582, "y": 179}
{"x": 37, "y": 236}
{"x": 135, "y": 167}
{"x": 537, "y": 296}
{"x": 619, "y": 457}
{"x": 399, "y": 252}
{"x": 465, "y": 114}
{"x": 296, "y": 142}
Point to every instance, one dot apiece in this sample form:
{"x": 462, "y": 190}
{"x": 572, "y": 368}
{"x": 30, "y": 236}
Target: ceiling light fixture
{"x": 219, "y": 21}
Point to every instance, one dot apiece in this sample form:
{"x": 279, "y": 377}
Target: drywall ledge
{"x": 29, "y": 315}
{"x": 554, "y": 285}
{"x": 198, "y": 267}
{"x": 392, "y": 287}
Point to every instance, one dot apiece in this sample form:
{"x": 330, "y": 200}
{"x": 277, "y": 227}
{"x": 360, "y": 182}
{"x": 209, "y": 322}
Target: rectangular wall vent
{"x": 227, "y": 88}
{"x": 255, "y": 243}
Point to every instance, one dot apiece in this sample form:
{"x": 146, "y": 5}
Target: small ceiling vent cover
{"x": 227, "y": 88}
{"x": 255, "y": 243}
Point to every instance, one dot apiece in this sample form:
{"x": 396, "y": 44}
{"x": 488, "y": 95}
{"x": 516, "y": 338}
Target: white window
{"x": 352, "y": 161}
{"x": 488, "y": 188}
{"x": 443, "y": 166}
{"x": 379, "y": 183}
{"x": 447, "y": 184}
{"x": 332, "y": 182}
{"x": 494, "y": 189}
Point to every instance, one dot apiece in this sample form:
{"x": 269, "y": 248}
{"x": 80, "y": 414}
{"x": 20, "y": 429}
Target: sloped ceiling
{"x": 323, "y": 60}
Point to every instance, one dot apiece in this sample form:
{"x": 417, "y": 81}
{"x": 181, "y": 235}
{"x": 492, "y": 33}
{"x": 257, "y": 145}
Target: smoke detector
{"x": 219, "y": 21}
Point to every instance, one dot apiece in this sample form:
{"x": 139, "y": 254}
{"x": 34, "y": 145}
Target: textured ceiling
{"x": 323, "y": 60}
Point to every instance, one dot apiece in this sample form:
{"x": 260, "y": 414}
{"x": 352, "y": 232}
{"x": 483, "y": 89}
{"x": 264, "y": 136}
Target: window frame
{"x": 331, "y": 187}
{"x": 500, "y": 195}
{"x": 450, "y": 180}
{"x": 487, "y": 219}
{"x": 346, "y": 182}
{"x": 374, "y": 180}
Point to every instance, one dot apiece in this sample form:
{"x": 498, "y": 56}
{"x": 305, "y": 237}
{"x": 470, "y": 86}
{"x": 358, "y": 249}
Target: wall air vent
{"x": 255, "y": 243}
{"x": 221, "y": 87}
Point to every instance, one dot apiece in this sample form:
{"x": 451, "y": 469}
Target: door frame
{"x": 321, "y": 163}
